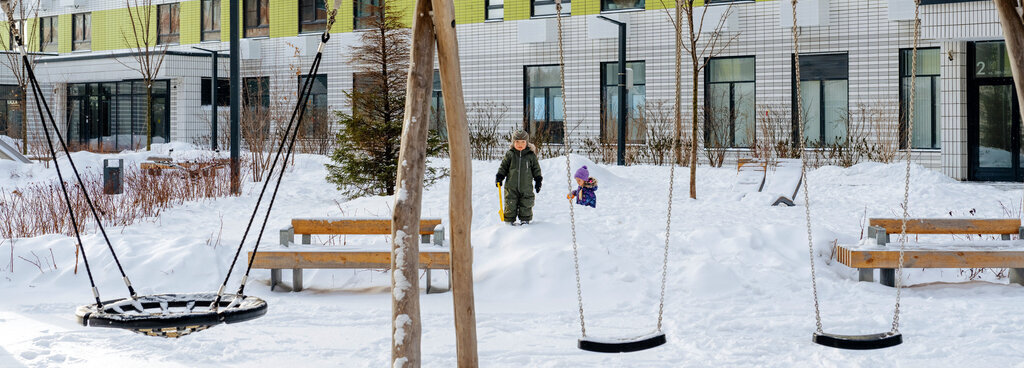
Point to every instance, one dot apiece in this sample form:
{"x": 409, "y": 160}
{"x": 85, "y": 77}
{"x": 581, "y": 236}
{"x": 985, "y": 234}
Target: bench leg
{"x": 866, "y": 274}
{"x": 307, "y": 238}
{"x": 297, "y": 279}
{"x": 887, "y": 277}
{"x": 275, "y": 278}
{"x": 424, "y": 238}
{"x": 1006, "y": 236}
{"x": 1017, "y": 276}
{"x": 428, "y": 281}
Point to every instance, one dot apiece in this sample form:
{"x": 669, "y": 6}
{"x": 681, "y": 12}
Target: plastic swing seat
{"x": 171, "y": 315}
{"x": 859, "y": 342}
{"x": 622, "y": 345}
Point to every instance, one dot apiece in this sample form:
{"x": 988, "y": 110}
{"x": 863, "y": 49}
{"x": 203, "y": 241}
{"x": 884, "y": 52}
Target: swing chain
{"x": 906, "y": 182}
{"x": 568, "y": 167}
{"x": 803, "y": 170}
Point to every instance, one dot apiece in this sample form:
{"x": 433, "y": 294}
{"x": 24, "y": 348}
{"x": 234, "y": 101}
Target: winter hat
{"x": 520, "y": 135}
{"x": 582, "y": 174}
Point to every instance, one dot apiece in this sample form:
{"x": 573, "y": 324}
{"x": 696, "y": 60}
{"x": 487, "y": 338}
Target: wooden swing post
{"x": 432, "y": 20}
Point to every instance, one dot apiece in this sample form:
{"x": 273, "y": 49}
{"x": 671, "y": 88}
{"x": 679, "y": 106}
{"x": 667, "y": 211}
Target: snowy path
{"x": 738, "y": 285}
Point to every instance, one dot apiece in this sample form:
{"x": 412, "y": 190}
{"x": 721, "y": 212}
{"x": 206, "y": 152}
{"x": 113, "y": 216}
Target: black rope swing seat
{"x": 175, "y": 314}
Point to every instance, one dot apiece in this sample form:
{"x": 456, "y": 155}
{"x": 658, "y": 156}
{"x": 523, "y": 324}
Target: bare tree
{"x": 701, "y": 46}
{"x": 20, "y": 10}
{"x": 1012, "y": 20}
{"x": 148, "y": 53}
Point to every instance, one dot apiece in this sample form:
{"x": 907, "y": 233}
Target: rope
{"x": 41, "y": 104}
{"x": 906, "y": 183}
{"x": 300, "y": 110}
{"x": 568, "y": 167}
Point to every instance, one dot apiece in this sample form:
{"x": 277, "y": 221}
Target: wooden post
{"x": 460, "y": 206}
{"x": 1013, "y": 31}
{"x": 405, "y": 292}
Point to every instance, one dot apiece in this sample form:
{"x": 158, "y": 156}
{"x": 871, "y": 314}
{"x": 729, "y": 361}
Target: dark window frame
{"x": 317, "y": 23}
{"x": 312, "y": 102}
{"x": 732, "y": 93}
{"x": 54, "y": 27}
{"x": 358, "y": 16}
{"x": 173, "y": 37}
{"x": 83, "y": 21}
{"x": 211, "y": 34}
{"x": 566, "y": 10}
{"x": 796, "y": 113}
{"x": 555, "y": 135}
{"x": 936, "y": 82}
{"x": 642, "y": 6}
{"x": 135, "y": 95}
{"x": 488, "y": 7}
{"x": 223, "y": 92}
{"x": 604, "y": 85}
{"x": 262, "y": 26}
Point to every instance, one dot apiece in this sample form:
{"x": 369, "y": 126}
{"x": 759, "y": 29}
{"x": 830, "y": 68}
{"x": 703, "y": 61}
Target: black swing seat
{"x": 859, "y": 342}
{"x": 171, "y": 315}
{"x": 622, "y": 345}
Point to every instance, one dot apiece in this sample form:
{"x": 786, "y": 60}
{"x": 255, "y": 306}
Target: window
{"x": 211, "y": 20}
{"x": 256, "y": 92}
{"x": 729, "y": 102}
{"x": 81, "y": 36}
{"x": 636, "y": 98}
{"x": 926, "y": 98}
{"x": 256, "y": 108}
{"x": 112, "y": 115}
{"x": 223, "y": 92}
{"x": 495, "y": 9}
{"x": 607, "y": 5}
{"x": 48, "y": 34}
{"x": 11, "y": 116}
{"x": 257, "y": 18}
{"x": 315, "y": 118}
{"x": 437, "y": 121}
{"x": 20, "y": 27}
{"x": 825, "y": 90}
{"x": 167, "y": 23}
{"x": 312, "y": 15}
{"x": 543, "y": 103}
{"x": 547, "y": 7}
{"x": 365, "y": 10}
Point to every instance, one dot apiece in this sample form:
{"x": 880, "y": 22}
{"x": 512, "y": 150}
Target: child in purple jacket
{"x": 585, "y": 193}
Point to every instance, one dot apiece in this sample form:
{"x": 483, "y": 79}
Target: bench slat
{"x": 355, "y": 227}
{"x": 949, "y": 226}
{"x": 341, "y": 259}
{"x": 961, "y": 257}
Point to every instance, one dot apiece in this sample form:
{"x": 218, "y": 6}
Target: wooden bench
{"x": 960, "y": 254}
{"x": 433, "y": 252}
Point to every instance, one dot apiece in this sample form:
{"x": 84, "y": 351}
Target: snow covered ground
{"x": 738, "y": 290}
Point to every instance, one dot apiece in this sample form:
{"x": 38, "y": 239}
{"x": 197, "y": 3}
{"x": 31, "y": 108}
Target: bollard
{"x": 113, "y": 176}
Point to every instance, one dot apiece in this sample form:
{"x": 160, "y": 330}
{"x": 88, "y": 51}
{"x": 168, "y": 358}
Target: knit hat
{"x": 520, "y": 135}
{"x": 582, "y": 174}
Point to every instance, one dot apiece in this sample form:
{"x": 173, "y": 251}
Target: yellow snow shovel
{"x": 501, "y": 204}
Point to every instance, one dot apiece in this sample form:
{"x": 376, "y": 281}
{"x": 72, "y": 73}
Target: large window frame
{"x": 81, "y": 31}
{"x": 256, "y": 18}
{"x": 636, "y": 131}
{"x": 829, "y": 70}
{"x": 49, "y": 39}
{"x": 622, "y": 5}
{"x": 168, "y": 24}
{"x": 210, "y": 20}
{"x": 223, "y": 92}
{"x": 494, "y": 10}
{"x": 317, "y": 107}
{"x": 933, "y": 82}
{"x": 554, "y": 129}
{"x": 731, "y": 139}
{"x": 312, "y": 16}
{"x": 100, "y": 114}
{"x": 364, "y": 10}
{"x": 11, "y": 114}
{"x": 547, "y": 8}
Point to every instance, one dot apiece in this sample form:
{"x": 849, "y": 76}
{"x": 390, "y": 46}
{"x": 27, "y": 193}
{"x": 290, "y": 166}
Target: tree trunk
{"x": 149, "y": 113}
{"x": 405, "y": 298}
{"x": 1013, "y": 31}
{"x": 677, "y": 146}
{"x": 460, "y": 209}
{"x": 24, "y": 121}
{"x": 693, "y": 117}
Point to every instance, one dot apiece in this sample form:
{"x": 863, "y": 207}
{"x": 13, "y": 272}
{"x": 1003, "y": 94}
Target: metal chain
{"x": 803, "y": 170}
{"x": 906, "y": 182}
{"x": 668, "y": 228}
{"x": 568, "y": 166}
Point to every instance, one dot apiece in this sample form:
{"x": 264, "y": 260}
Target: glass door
{"x": 994, "y": 127}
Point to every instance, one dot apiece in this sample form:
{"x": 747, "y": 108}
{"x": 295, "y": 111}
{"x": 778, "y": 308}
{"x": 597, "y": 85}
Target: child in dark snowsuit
{"x": 521, "y": 168}
{"x": 585, "y": 194}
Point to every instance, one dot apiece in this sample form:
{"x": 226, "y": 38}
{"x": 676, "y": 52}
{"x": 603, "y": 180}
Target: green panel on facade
{"x": 189, "y": 22}
{"x": 284, "y": 18}
{"x": 225, "y": 20}
{"x": 586, "y": 7}
{"x": 343, "y": 21}
{"x": 3, "y": 45}
{"x": 405, "y": 8}
{"x": 469, "y": 11}
{"x": 517, "y": 9}
{"x": 64, "y": 33}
